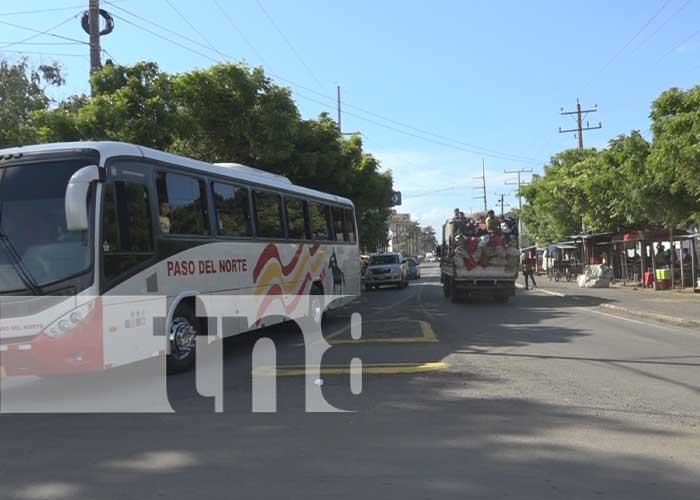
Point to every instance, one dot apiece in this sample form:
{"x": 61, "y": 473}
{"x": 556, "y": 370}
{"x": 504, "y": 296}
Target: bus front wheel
{"x": 183, "y": 339}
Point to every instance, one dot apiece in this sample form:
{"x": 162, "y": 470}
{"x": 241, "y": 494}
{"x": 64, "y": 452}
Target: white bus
{"x": 82, "y": 222}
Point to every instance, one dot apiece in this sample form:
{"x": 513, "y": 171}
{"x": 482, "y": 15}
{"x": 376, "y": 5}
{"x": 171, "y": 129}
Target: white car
{"x": 386, "y": 269}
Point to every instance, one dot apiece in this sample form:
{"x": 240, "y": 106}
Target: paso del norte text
{"x": 186, "y": 267}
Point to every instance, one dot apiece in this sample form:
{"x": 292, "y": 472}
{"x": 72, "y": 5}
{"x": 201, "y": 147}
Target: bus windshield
{"x": 36, "y": 249}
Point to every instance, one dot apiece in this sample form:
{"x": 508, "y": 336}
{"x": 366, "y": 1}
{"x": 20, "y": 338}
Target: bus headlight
{"x": 67, "y": 322}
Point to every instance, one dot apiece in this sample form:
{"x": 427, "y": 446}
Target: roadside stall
{"x": 658, "y": 258}
{"x": 696, "y": 262}
{"x": 687, "y": 249}
{"x": 562, "y": 261}
{"x": 595, "y": 248}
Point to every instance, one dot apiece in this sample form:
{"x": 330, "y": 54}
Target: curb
{"x": 686, "y": 323}
{"x": 661, "y": 318}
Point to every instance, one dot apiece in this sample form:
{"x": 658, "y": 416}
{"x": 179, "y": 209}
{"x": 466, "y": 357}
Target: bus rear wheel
{"x": 183, "y": 339}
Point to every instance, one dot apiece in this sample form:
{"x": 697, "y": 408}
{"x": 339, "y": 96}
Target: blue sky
{"x": 487, "y": 79}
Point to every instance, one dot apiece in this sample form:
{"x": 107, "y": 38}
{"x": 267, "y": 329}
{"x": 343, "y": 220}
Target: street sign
{"x": 395, "y": 198}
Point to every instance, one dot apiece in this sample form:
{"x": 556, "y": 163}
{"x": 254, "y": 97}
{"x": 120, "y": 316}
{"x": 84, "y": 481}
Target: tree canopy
{"x": 227, "y": 112}
{"x": 21, "y": 95}
{"x": 630, "y": 184}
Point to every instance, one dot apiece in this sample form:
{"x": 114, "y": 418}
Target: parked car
{"x": 386, "y": 269}
{"x": 413, "y": 269}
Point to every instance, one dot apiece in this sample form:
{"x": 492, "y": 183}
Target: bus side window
{"x": 350, "y": 224}
{"x": 182, "y": 204}
{"x": 232, "y": 210}
{"x": 127, "y": 236}
{"x": 339, "y": 224}
{"x": 320, "y": 221}
{"x": 296, "y": 219}
{"x": 268, "y": 214}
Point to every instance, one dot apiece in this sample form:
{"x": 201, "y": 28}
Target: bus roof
{"x": 108, "y": 149}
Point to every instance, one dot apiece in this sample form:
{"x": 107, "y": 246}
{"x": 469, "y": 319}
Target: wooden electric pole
{"x": 94, "y": 32}
{"x": 340, "y": 117}
{"x": 580, "y": 116}
{"x": 520, "y": 199}
{"x": 482, "y": 178}
{"x": 502, "y": 202}
{"x": 340, "y": 126}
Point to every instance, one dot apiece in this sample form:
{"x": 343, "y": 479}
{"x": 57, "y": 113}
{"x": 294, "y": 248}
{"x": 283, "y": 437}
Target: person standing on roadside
{"x": 529, "y": 271}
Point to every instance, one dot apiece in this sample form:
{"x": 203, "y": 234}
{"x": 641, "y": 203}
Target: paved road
{"x": 537, "y": 399}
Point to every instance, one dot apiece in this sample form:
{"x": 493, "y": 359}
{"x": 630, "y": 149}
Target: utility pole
{"x": 482, "y": 178}
{"x": 340, "y": 126}
{"x": 520, "y": 198}
{"x": 94, "y": 32}
{"x": 579, "y": 121}
{"x": 502, "y": 202}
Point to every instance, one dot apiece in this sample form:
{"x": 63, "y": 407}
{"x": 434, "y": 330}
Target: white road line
{"x": 630, "y": 320}
{"x": 549, "y": 292}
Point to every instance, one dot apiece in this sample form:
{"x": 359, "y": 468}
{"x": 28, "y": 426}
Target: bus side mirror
{"x": 76, "y": 197}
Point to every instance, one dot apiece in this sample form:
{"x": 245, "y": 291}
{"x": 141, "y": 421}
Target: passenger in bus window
{"x": 164, "y": 217}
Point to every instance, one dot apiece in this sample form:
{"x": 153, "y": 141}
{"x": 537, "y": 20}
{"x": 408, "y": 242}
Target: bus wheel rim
{"x": 182, "y": 338}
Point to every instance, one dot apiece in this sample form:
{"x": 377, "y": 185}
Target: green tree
{"x": 557, "y": 202}
{"x": 674, "y": 160}
{"x": 22, "y": 93}
{"x": 226, "y": 113}
{"x": 618, "y": 187}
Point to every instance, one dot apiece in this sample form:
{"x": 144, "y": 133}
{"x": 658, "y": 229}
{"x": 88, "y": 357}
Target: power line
{"x": 388, "y": 127}
{"x": 156, "y": 34}
{"x": 235, "y": 26}
{"x": 441, "y": 140}
{"x": 106, "y": 52}
{"x": 294, "y": 50}
{"x": 410, "y": 134}
{"x": 194, "y": 28}
{"x": 39, "y": 43}
{"x": 39, "y": 33}
{"x": 629, "y": 42}
{"x": 675, "y": 47}
{"x": 168, "y": 30}
{"x": 481, "y": 150}
{"x": 41, "y": 11}
{"x": 30, "y": 52}
{"x": 661, "y": 26}
{"x": 430, "y": 192}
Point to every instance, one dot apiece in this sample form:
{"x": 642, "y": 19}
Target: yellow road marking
{"x": 427, "y": 336}
{"x": 367, "y": 369}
